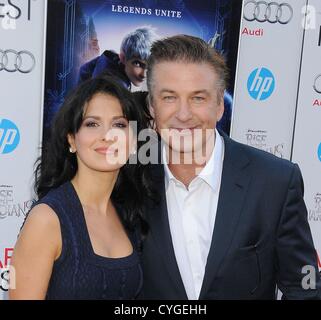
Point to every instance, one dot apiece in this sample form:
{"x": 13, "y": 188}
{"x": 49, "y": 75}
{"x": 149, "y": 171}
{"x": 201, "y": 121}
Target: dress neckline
{"x": 99, "y": 258}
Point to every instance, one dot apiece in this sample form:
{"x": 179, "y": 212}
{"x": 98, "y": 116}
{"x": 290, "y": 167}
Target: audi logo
{"x": 272, "y": 12}
{"x": 317, "y": 84}
{"x": 12, "y": 61}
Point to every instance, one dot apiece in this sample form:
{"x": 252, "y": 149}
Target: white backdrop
{"x": 276, "y": 107}
{"x": 264, "y": 104}
{"x": 22, "y": 38}
{"x": 307, "y": 136}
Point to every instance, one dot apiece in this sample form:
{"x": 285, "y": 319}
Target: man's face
{"x": 135, "y": 70}
{"x": 185, "y": 104}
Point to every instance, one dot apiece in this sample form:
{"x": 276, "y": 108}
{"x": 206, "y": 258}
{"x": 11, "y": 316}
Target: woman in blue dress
{"x": 80, "y": 239}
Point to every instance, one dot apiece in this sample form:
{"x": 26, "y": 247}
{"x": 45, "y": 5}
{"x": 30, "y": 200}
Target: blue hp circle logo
{"x": 319, "y": 152}
{"x": 9, "y": 136}
{"x": 261, "y": 84}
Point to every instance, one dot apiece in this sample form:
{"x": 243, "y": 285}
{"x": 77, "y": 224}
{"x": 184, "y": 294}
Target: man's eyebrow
{"x": 204, "y": 91}
{"x": 167, "y": 90}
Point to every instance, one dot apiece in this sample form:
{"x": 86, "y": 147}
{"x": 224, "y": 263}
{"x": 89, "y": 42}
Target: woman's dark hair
{"x": 141, "y": 100}
{"x": 57, "y": 165}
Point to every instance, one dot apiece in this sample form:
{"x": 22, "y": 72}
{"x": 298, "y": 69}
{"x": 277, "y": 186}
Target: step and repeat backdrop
{"x": 277, "y": 89}
{"x": 277, "y": 101}
{"x": 44, "y": 45}
{"x": 22, "y": 38}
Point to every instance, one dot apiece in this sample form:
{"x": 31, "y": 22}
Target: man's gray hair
{"x": 187, "y": 49}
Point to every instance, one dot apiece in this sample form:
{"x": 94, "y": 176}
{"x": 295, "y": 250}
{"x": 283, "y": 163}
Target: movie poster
{"x": 80, "y": 32}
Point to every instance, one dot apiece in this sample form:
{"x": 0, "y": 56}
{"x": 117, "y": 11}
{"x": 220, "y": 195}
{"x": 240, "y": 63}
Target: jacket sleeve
{"x": 294, "y": 245}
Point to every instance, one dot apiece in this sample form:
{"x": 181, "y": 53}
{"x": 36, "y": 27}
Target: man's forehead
{"x": 177, "y": 68}
{"x": 193, "y": 77}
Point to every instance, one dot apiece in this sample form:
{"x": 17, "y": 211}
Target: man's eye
{"x": 169, "y": 98}
{"x": 198, "y": 99}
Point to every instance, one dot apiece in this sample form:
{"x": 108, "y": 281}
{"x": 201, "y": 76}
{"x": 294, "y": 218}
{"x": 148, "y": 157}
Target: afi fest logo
{"x": 319, "y": 152}
{"x": 10, "y": 13}
{"x": 261, "y": 84}
{"x": 5, "y": 269}
{"x": 9, "y": 136}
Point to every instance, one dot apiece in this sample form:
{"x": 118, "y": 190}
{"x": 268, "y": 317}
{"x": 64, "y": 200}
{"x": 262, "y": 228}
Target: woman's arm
{"x": 38, "y": 246}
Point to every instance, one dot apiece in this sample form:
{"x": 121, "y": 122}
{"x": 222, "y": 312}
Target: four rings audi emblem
{"x": 273, "y": 12}
{"x": 317, "y": 84}
{"x": 12, "y": 61}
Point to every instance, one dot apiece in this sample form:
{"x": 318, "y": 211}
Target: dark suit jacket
{"x": 261, "y": 236}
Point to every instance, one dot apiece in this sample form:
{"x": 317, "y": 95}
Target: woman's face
{"x": 105, "y": 139}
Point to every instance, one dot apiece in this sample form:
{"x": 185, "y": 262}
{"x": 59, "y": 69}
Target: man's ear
{"x": 71, "y": 141}
{"x": 220, "y": 108}
{"x": 122, "y": 57}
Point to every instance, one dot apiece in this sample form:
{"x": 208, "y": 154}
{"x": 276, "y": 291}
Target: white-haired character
{"x": 129, "y": 66}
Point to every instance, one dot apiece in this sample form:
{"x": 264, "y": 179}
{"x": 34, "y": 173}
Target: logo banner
{"x": 22, "y": 34}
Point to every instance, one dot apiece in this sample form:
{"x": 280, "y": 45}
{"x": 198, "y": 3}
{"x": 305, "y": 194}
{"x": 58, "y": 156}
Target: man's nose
{"x": 184, "y": 112}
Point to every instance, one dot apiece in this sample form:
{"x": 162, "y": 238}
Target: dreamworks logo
{"x": 259, "y": 139}
{"x": 315, "y": 211}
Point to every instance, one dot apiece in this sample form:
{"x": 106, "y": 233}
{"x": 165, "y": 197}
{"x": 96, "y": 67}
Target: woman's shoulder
{"x": 42, "y": 216}
{"x": 50, "y": 207}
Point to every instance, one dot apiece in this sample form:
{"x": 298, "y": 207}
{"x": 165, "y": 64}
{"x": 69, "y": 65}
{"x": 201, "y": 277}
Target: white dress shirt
{"x": 191, "y": 214}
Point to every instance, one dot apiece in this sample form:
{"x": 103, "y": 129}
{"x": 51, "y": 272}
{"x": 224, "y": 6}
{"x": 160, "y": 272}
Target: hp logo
{"x": 9, "y": 136}
{"x": 319, "y": 152}
{"x": 261, "y": 84}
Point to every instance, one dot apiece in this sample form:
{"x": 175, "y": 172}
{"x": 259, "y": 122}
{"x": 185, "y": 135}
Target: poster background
{"x": 80, "y": 30}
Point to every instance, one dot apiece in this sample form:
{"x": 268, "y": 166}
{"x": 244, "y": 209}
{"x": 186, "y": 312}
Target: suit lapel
{"x": 235, "y": 180}
{"x": 162, "y": 234}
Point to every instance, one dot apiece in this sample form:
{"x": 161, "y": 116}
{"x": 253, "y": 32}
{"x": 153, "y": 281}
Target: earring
{"x": 71, "y": 151}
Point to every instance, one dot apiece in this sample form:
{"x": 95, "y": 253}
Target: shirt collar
{"x": 211, "y": 173}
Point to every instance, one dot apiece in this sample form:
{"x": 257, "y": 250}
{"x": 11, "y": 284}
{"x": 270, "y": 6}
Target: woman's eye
{"x": 91, "y": 124}
{"x": 120, "y": 125}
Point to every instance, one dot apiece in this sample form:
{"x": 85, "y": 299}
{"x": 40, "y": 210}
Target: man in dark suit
{"x": 231, "y": 222}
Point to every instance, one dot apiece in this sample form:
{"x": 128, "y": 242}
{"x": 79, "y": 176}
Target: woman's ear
{"x": 71, "y": 141}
